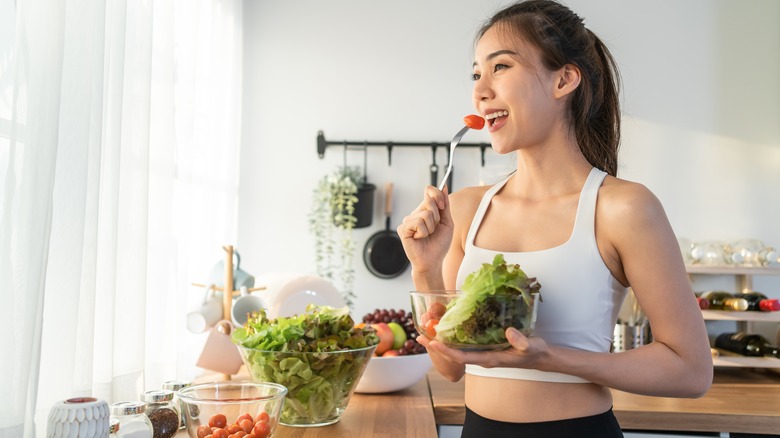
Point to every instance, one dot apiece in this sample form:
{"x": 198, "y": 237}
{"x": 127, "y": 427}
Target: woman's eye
{"x": 475, "y": 76}
{"x": 498, "y": 67}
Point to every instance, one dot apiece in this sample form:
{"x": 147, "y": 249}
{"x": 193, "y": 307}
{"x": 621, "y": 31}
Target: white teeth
{"x": 496, "y": 114}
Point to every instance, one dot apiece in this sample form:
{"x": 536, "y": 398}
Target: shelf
{"x": 745, "y": 362}
{"x": 731, "y": 270}
{"x": 726, "y": 315}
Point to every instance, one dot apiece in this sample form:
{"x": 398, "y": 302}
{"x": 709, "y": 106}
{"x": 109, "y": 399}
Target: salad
{"x": 318, "y": 355}
{"x": 495, "y": 297}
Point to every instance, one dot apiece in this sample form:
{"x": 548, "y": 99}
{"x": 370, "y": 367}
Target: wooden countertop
{"x": 740, "y": 400}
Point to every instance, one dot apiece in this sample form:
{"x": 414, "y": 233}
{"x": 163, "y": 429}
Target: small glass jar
{"x": 163, "y": 412}
{"x": 132, "y": 421}
{"x": 175, "y": 385}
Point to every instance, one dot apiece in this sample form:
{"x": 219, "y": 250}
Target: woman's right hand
{"x": 426, "y": 233}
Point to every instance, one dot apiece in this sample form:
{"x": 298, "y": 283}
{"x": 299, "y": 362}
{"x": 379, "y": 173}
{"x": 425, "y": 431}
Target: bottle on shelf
{"x": 722, "y": 300}
{"x": 745, "y": 344}
{"x": 760, "y": 302}
{"x": 704, "y": 303}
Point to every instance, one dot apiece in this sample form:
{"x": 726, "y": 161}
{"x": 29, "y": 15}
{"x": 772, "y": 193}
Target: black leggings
{"x": 595, "y": 426}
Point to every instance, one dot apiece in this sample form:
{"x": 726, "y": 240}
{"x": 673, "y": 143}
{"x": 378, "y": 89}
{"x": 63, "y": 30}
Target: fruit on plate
{"x": 399, "y": 335}
{"x": 401, "y": 319}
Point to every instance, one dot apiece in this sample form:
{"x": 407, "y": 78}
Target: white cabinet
{"x": 744, "y": 282}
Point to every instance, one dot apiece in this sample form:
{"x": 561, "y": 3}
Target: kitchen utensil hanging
{"x": 384, "y": 254}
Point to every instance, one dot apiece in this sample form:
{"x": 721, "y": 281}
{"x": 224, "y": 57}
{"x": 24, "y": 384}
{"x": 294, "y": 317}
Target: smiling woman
{"x": 112, "y": 153}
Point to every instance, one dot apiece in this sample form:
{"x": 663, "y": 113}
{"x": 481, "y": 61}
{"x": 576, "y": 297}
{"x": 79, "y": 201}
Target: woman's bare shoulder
{"x": 467, "y": 199}
{"x": 625, "y": 204}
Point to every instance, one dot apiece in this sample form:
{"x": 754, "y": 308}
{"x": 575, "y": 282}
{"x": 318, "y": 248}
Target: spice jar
{"x": 163, "y": 412}
{"x": 175, "y": 385}
{"x": 132, "y": 421}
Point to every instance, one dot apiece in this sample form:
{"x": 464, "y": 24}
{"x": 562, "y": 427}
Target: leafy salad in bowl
{"x": 318, "y": 356}
{"x": 497, "y": 296}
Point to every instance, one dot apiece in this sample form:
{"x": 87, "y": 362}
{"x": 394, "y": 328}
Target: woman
{"x": 547, "y": 87}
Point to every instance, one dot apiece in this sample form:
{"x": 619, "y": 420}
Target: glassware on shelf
{"x": 708, "y": 253}
{"x": 751, "y": 252}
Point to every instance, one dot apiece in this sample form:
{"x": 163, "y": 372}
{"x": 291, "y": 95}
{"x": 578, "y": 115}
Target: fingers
{"x": 517, "y": 340}
{"x": 422, "y": 222}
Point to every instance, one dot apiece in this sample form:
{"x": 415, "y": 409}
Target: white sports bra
{"x": 581, "y": 298}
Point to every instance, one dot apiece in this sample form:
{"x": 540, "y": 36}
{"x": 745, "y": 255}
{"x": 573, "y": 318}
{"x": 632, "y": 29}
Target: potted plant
{"x": 342, "y": 201}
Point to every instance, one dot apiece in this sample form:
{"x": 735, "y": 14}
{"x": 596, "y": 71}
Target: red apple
{"x": 385, "y": 337}
{"x": 390, "y": 353}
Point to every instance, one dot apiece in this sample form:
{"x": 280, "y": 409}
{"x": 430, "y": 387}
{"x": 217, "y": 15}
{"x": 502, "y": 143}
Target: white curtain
{"x": 119, "y": 147}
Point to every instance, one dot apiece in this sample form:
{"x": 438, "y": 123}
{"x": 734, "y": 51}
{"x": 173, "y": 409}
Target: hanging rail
{"x": 322, "y": 144}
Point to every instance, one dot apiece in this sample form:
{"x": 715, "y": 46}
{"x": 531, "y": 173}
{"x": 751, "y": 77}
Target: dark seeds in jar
{"x": 165, "y": 422}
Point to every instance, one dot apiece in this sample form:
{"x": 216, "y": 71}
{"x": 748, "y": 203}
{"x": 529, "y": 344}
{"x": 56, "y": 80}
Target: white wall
{"x": 702, "y": 113}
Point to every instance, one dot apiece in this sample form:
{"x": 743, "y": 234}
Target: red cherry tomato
{"x": 218, "y": 420}
{"x": 246, "y": 424}
{"x": 430, "y": 328}
{"x": 437, "y": 310}
{"x": 261, "y": 429}
{"x": 474, "y": 121}
{"x": 203, "y": 431}
{"x": 220, "y": 433}
{"x": 263, "y": 416}
{"x": 243, "y": 416}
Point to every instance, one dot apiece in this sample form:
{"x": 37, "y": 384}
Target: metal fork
{"x": 453, "y": 143}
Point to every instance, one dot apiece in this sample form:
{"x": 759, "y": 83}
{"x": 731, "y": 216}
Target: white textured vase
{"x": 81, "y": 417}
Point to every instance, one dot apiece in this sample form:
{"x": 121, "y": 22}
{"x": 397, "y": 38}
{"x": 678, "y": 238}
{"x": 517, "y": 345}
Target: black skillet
{"x": 384, "y": 254}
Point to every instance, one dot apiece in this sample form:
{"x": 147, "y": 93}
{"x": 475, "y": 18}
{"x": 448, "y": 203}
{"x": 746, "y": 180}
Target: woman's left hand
{"x": 525, "y": 352}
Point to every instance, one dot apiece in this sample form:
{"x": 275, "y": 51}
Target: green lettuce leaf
{"x": 488, "y": 304}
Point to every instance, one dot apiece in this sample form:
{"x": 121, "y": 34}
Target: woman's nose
{"x": 482, "y": 90}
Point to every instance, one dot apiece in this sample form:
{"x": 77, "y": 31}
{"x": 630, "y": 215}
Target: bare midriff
{"x": 523, "y": 401}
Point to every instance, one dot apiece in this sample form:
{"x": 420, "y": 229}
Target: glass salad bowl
{"x": 319, "y": 356}
{"x": 458, "y": 321}
{"x": 319, "y": 384}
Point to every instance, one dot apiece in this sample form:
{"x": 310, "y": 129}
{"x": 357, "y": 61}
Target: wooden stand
{"x": 228, "y": 293}
{"x": 227, "y": 298}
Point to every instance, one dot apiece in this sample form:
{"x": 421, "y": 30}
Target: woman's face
{"x": 513, "y": 91}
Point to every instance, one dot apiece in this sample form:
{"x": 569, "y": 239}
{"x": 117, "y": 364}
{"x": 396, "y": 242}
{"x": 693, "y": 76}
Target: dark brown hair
{"x": 561, "y": 38}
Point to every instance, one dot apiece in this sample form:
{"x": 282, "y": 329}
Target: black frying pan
{"x": 384, "y": 254}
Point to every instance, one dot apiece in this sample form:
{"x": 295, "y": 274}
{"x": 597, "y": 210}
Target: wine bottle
{"x": 721, "y": 300}
{"x": 746, "y": 344}
{"x": 760, "y": 302}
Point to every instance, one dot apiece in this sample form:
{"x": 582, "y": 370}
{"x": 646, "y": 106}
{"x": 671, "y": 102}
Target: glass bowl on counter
{"x": 251, "y": 407}
{"x": 459, "y": 321}
{"x": 319, "y": 384}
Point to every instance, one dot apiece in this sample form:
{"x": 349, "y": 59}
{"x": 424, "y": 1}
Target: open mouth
{"x": 496, "y": 118}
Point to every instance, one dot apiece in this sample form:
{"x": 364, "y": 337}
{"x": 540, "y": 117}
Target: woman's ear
{"x": 568, "y": 79}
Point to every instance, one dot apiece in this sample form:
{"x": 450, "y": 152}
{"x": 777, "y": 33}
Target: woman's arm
{"x": 433, "y": 236}
{"x": 638, "y": 244}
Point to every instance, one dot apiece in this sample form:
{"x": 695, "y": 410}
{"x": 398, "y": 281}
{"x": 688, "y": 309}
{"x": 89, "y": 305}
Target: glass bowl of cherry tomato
{"x": 233, "y": 408}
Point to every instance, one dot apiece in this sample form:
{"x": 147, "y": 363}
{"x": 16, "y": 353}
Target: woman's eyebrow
{"x": 497, "y": 53}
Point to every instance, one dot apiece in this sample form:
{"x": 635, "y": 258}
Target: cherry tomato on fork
{"x": 474, "y": 121}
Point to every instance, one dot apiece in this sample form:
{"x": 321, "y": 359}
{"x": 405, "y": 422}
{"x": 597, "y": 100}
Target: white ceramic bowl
{"x": 390, "y": 374}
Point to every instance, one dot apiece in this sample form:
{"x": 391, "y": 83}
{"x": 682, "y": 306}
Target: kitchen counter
{"x": 740, "y": 400}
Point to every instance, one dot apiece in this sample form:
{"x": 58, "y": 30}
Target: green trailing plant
{"x": 331, "y": 221}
